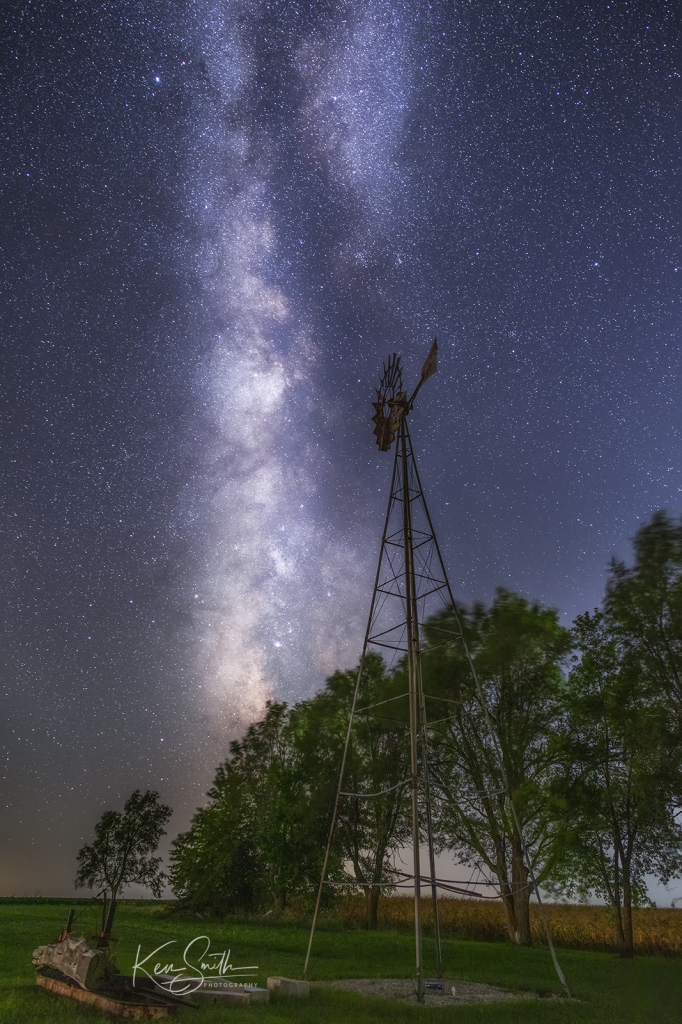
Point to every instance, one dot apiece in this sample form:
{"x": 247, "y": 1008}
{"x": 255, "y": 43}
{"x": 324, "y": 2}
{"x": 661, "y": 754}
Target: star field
{"x": 218, "y": 219}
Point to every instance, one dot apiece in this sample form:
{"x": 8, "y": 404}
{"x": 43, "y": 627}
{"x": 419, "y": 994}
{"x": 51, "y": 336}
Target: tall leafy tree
{"x": 122, "y": 851}
{"x": 618, "y": 783}
{"x": 488, "y": 815}
{"x": 263, "y": 834}
{"x": 256, "y": 843}
{"x": 214, "y": 864}
{"x": 369, "y": 828}
{"x": 644, "y": 606}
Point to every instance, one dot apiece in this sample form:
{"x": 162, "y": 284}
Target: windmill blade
{"x": 390, "y": 405}
{"x": 431, "y": 364}
{"x": 428, "y": 370}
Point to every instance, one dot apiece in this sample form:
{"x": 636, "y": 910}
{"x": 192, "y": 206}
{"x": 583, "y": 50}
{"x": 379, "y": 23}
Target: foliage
{"x": 517, "y": 650}
{"x": 368, "y": 829}
{"x": 261, "y": 837}
{"x": 618, "y": 780}
{"x": 644, "y": 605}
{"x": 575, "y": 777}
{"x": 124, "y": 843}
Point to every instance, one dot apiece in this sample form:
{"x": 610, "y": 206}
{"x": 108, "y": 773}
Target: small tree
{"x": 122, "y": 851}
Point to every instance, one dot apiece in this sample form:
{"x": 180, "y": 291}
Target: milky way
{"x": 218, "y": 220}
{"x": 277, "y": 605}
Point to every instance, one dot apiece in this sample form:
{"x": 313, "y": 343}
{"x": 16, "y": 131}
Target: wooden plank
{"x": 112, "y": 1007}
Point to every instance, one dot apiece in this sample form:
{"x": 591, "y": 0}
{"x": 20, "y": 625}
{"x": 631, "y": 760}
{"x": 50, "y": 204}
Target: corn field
{"x": 657, "y": 932}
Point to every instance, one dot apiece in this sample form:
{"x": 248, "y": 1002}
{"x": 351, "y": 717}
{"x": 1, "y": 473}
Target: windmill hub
{"x": 392, "y": 404}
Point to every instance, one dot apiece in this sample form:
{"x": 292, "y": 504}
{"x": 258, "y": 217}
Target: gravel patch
{"x": 455, "y": 993}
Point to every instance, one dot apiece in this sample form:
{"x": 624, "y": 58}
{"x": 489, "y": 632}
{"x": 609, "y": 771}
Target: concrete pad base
{"x": 289, "y": 987}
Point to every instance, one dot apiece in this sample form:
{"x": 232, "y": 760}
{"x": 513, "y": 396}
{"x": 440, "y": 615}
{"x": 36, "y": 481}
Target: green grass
{"x": 645, "y": 990}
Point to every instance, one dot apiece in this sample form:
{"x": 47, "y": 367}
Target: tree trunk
{"x": 628, "y": 949}
{"x": 106, "y": 933}
{"x": 521, "y": 899}
{"x": 616, "y": 902}
{"x": 372, "y": 894}
{"x": 516, "y": 899}
{"x": 521, "y": 896}
{"x": 510, "y": 910}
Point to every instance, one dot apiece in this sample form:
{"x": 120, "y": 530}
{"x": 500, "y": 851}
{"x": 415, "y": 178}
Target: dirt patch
{"x": 454, "y": 993}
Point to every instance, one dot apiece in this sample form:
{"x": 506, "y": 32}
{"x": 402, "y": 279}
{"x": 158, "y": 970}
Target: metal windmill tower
{"x": 410, "y": 580}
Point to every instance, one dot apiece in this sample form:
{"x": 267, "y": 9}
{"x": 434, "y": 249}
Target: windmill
{"x": 410, "y": 577}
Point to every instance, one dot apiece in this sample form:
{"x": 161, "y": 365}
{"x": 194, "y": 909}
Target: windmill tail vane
{"x": 392, "y": 403}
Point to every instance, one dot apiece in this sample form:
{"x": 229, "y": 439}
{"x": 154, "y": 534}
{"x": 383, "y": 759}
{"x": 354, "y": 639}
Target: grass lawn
{"x": 645, "y": 990}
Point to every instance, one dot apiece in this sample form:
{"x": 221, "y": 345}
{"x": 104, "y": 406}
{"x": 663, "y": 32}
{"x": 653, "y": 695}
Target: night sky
{"x": 218, "y": 218}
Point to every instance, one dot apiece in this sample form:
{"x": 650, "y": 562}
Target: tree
{"x": 263, "y": 835}
{"x": 291, "y": 823}
{"x": 489, "y": 816}
{"x": 122, "y": 851}
{"x": 368, "y": 828}
{"x": 261, "y": 838}
{"x": 213, "y": 865}
{"x": 644, "y": 606}
{"x": 618, "y": 781}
